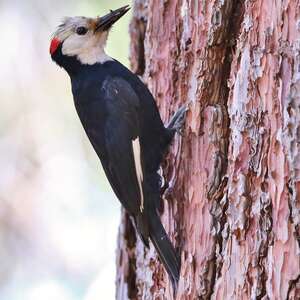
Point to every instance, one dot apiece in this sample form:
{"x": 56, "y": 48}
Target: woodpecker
{"x": 122, "y": 122}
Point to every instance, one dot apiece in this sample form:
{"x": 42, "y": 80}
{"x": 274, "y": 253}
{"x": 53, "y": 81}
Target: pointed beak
{"x": 108, "y": 20}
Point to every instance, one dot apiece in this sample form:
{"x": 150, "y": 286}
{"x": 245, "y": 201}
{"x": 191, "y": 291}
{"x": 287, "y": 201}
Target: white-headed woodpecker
{"x": 122, "y": 122}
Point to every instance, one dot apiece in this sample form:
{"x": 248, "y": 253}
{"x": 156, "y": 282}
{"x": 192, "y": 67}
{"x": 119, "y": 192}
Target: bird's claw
{"x": 177, "y": 121}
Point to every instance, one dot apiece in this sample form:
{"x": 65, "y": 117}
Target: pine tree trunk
{"x": 232, "y": 206}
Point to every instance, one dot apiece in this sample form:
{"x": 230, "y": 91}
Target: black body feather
{"x": 115, "y": 108}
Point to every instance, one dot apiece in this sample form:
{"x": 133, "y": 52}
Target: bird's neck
{"x": 93, "y": 56}
{"x": 74, "y": 64}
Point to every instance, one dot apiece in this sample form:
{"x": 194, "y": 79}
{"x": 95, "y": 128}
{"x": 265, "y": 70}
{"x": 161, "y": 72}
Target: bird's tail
{"x": 165, "y": 249}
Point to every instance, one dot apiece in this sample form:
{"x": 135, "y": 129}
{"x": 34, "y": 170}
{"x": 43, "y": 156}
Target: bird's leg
{"x": 164, "y": 184}
{"x": 177, "y": 121}
{"x": 165, "y": 187}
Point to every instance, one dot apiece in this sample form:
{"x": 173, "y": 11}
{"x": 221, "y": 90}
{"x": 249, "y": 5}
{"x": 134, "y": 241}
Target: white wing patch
{"x": 138, "y": 168}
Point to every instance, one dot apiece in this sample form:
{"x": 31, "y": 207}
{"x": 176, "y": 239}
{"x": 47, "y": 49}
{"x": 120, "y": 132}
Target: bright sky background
{"x": 58, "y": 216}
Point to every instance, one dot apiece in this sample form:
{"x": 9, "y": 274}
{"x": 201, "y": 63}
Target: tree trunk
{"x": 232, "y": 206}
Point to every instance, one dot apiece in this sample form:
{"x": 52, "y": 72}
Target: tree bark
{"x": 232, "y": 206}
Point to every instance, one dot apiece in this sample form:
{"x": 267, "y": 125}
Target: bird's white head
{"x": 84, "y": 38}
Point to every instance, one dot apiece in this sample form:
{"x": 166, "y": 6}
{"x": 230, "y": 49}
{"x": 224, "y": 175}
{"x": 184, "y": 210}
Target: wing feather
{"x": 122, "y": 131}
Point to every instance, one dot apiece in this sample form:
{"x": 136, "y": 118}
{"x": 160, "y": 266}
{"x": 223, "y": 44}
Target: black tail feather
{"x": 165, "y": 249}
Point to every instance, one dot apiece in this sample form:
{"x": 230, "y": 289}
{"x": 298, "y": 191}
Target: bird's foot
{"x": 177, "y": 121}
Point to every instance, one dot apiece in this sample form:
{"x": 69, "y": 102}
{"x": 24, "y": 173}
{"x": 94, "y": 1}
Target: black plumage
{"x": 121, "y": 120}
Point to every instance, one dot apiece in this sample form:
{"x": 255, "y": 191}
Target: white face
{"x": 87, "y": 46}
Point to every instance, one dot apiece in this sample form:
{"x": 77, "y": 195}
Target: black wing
{"x": 123, "y": 160}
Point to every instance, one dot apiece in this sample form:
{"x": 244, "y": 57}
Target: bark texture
{"x": 233, "y": 201}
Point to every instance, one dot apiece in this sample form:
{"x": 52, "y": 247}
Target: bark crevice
{"x": 137, "y": 29}
{"x": 293, "y": 285}
{"x": 226, "y": 22}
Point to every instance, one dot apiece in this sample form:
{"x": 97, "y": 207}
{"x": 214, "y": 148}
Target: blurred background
{"x": 58, "y": 215}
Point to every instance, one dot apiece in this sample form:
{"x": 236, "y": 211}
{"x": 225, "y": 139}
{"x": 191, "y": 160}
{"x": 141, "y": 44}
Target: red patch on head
{"x": 54, "y": 45}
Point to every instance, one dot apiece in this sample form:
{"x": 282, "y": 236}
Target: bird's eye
{"x": 81, "y": 30}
